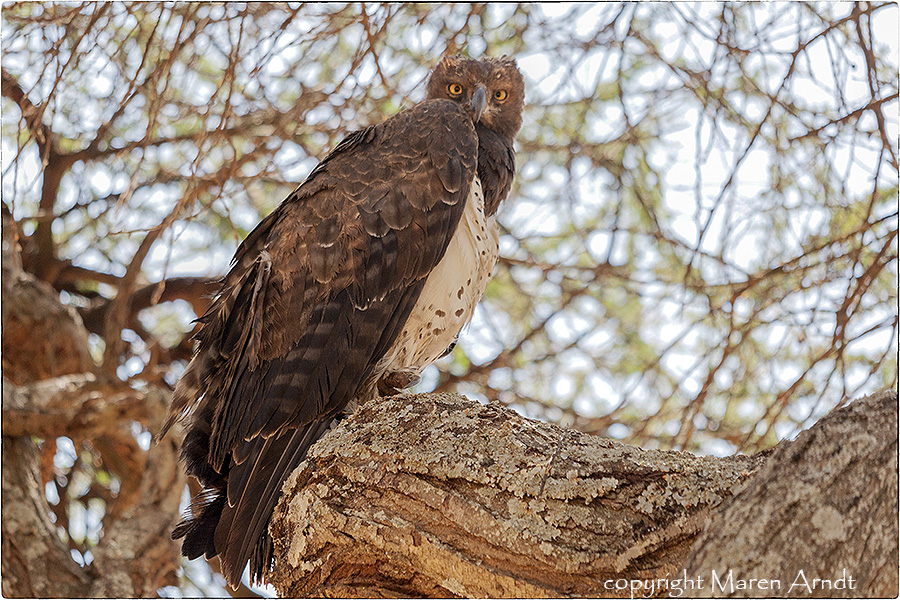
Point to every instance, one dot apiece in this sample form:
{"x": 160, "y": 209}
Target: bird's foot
{"x": 396, "y": 381}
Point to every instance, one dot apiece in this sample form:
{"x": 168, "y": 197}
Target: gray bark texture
{"x": 436, "y": 495}
{"x": 824, "y": 505}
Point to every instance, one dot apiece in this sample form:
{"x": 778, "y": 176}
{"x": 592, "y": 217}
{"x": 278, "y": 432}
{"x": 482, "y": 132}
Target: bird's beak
{"x": 478, "y": 103}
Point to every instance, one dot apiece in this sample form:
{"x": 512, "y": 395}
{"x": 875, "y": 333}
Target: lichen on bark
{"x": 439, "y": 495}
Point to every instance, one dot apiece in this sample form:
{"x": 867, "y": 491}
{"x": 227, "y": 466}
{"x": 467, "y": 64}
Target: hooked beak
{"x": 478, "y": 103}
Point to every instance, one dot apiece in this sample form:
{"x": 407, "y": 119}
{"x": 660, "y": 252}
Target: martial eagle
{"x": 360, "y": 279}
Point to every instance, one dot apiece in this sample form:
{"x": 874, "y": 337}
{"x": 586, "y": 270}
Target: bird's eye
{"x": 501, "y": 95}
{"x": 455, "y": 89}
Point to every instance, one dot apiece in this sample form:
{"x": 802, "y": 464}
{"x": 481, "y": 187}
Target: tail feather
{"x": 278, "y": 457}
{"x": 195, "y": 449}
{"x": 254, "y": 488}
{"x": 237, "y": 530}
{"x": 199, "y": 524}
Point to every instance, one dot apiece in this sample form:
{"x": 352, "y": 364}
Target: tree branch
{"x": 196, "y": 291}
{"x": 825, "y": 504}
{"x": 31, "y": 113}
{"x": 435, "y": 495}
{"x": 71, "y": 405}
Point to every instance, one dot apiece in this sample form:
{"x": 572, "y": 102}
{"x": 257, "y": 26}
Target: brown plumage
{"x": 324, "y": 303}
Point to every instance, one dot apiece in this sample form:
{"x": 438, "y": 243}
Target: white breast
{"x": 451, "y": 291}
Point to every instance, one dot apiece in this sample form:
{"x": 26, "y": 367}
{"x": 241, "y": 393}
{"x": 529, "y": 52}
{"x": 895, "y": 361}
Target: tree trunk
{"x": 435, "y": 495}
{"x": 135, "y": 556}
{"x": 36, "y": 563}
{"x": 50, "y": 390}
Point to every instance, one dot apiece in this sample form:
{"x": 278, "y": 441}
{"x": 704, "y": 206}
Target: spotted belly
{"x": 448, "y": 300}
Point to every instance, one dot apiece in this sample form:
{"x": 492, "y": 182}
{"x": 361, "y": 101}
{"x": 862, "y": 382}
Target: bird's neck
{"x": 496, "y": 167}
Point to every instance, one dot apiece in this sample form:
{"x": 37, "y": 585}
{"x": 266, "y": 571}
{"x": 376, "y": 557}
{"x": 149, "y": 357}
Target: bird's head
{"x": 491, "y": 90}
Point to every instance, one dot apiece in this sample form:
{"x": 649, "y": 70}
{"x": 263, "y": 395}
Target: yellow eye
{"x": 500, "y": 95}
{"x": 455, "y": 89}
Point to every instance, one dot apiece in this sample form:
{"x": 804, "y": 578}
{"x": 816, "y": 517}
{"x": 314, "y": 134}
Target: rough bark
{"x": 824, "y": 505}
{"x": 139, "y": 556}
{"x": 435, "y": 495}
{"x": 135, "y": 556}
{"x": 36, "y": 562}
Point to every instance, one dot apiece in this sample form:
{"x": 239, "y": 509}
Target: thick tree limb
{"x": 137, "y": 556}
{"x": 435, "y": 495}
{"x": 72, "y": 405}
{"x": 41, "y": 337}
{"x": 825, "y": 504}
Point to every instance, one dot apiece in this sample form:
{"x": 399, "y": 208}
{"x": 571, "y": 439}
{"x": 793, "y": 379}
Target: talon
{"x": 448, "y": 350}
{"x": 392, "y": 383}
